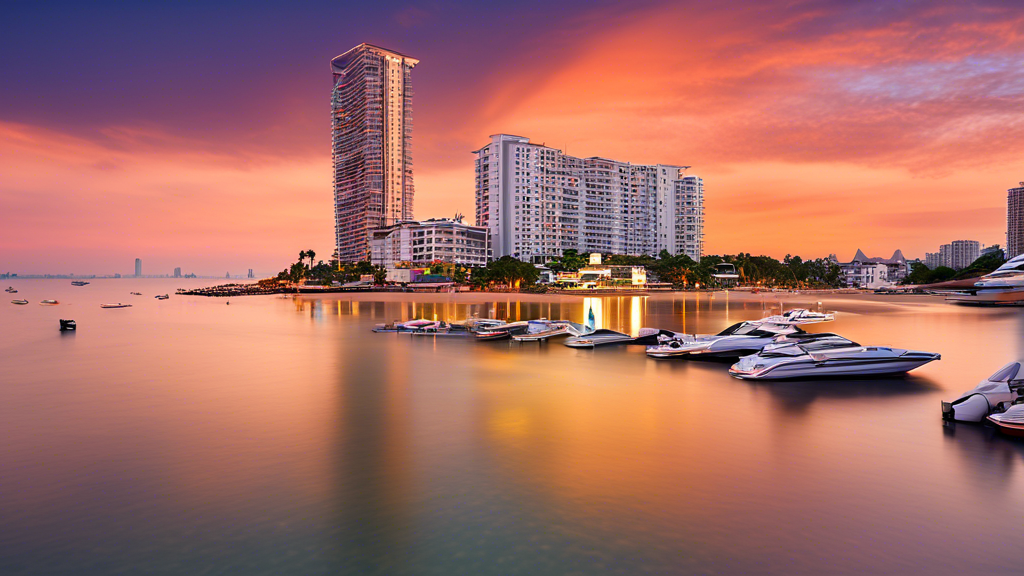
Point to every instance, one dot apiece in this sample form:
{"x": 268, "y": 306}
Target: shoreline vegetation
{"x": 666, "y": 273}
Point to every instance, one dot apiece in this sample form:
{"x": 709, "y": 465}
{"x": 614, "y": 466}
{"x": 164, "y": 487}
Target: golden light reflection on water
{"x": 389, "y": 453}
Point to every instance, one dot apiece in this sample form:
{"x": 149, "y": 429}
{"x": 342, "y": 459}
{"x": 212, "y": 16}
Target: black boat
{"x": 66, "y": 325}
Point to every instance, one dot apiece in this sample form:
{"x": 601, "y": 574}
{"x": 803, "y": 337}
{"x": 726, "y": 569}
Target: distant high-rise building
{"x": 537, "y": 202}
{"x": 371, "y": 106}
{"x": 250, "y": 273}
{"x": 1015, "y": 221}
{"x": 227, "y": 274}
{"x": 963, "y": 252}
{"x": 177, "y": 272}
{"x": 138, "y": 267}
{"x": 931, "y": 260}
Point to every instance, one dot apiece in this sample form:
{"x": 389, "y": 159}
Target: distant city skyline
{"x": 875, "y": 137}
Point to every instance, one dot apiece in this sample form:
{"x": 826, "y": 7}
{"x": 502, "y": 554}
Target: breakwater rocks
{"x": 227, "y": 290}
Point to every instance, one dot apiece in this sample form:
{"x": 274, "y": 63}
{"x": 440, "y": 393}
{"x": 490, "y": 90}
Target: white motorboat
{"x": 1003, "y": 287}
{"x": 1010, "y": 422}
{"x": 48, "y": 302}
{"x": 739, "y": 339}
{"x": 407, "y": 326}
{"x": 826, "y": 359}
{"x": 21, "y": 302}
{"x": 162, "y": 296}
{"x": 118, "y": 305}
{"x": 540, "y": 330}
{"x": 992, "y": 395}
{"x": 604, "y": 337}
{"x": 501, "y": 331}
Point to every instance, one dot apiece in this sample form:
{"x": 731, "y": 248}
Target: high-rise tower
{"x": 371, "y": 107}
{"x": 1015, "y": 221}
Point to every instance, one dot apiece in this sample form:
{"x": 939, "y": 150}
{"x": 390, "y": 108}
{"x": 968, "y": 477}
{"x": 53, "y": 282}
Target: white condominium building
{"x": 422, "y": 242}
{"x": 536, "y": 202}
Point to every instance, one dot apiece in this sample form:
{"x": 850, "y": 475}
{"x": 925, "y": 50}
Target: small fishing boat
{"x": 1010, "y": 422}
{"x": 995, "y": 394}
{"x": 79, "y": 283}
{"x": 118, "y": 305}
{"x": 22, "y": 302}
{"x": 162, "y": 296}
{"x": 11, "y": 290}
{"x": 66, "y": 325}
{"x": 48, "y": 303}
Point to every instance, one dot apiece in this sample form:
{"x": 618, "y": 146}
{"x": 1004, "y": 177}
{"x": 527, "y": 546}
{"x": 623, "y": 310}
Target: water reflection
{"x": 274, "y": 436}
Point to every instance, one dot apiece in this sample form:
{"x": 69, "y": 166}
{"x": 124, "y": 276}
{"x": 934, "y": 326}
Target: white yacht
{"x": 603, "y": 337}
{"x": 992, "y": 395}
{"x": 540, "y": 330}
{"x": 1004, "y": 287}
{"x": 827, "y": 358}
{"x": 739, "y": 339}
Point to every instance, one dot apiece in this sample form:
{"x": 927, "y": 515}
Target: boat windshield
{"x": 1006, "y": 373}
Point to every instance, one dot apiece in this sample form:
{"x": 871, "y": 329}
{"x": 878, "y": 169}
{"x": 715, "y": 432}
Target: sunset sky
{"x": 199, "y": 135}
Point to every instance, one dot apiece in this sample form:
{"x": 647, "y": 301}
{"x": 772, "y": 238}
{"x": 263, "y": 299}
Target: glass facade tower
{"x": 371, "y": 110}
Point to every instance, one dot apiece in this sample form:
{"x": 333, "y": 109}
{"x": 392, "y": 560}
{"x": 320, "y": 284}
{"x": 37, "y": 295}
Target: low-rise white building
{"x": 866, "y": 274}
{"x": 425, "y": 241}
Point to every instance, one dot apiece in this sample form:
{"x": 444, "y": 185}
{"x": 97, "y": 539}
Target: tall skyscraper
{"x": 538, "y": 202}
{"x": 1015, "y": 221}
{"x": 138, "y": 267}
{"x": 371, "y": 106}
{"x": 177, "y": 272}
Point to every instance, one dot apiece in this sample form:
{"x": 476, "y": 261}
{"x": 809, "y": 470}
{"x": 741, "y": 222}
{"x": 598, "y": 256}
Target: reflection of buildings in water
{"x": 597, "y": 306}
{"x": 373, "y": 461}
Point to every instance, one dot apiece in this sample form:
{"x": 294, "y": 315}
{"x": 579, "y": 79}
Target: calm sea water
{"x": 280, "y": 436}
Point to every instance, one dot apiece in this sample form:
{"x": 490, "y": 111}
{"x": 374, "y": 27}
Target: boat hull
{"x": 810, "y": 369}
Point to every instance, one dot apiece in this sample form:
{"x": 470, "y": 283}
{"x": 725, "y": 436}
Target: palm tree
{"x": 302, "y": 255}
{"x": 310, "y": 254}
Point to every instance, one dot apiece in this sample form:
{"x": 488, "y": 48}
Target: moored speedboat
{"x": 502, "y": 331}
{"x": 118, "y": 305}
{"x": 1010, "y": 422}
{"x": 604, "y": 337}
{"x": 162, "y": 296}
{"x": 407, "y": 326}
{"x": 66, "y": 325}
{"x": 48, "y": 303}
{"x": 541, "y": 330}
{"x": 1003, "y": 287}
{"x": 994, "y": 394}
{"x": 21, "y": 302}
{"x": 739, "y": 339}
{"x": 822, "y": 360}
